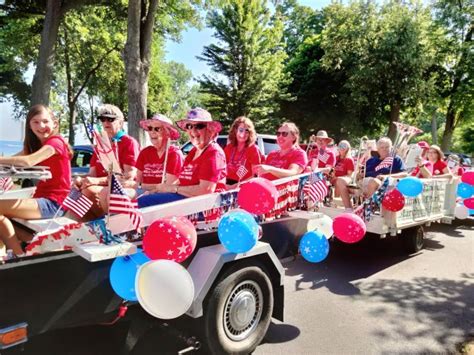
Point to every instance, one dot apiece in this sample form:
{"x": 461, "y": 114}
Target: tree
{"x": 247, "y": 63}
{"x": 170, "y": 15}
{"x": 90, "y": 40}
{"x": 455, "y": 72}
{"x": 384, "y": 55}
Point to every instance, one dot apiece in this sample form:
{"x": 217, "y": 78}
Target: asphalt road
{"x": 365, "y": 298}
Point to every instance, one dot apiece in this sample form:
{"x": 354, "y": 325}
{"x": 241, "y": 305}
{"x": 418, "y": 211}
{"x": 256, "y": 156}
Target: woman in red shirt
{"x": 343, "y": 171}
{"x": 152, "y": 160}
{"x": 42, "y": 146}
{"x": 241, "y": 153}
{"x": 204, "y": 168}
{"x": 436, "y": 158}
{"x": 289, "y": 160}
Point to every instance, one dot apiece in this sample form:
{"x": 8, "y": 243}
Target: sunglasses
{"x": 283, "y": 134}
{"x": 198, "y": 126}
{"x": 108, "y": 119}
{"x": 242, "y": 130}
{"x": 156, "y": 129}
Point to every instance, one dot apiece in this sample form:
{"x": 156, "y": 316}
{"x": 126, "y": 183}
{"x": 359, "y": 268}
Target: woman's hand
{"x": 89, "y": 181}
{"x": 261, "y": 169}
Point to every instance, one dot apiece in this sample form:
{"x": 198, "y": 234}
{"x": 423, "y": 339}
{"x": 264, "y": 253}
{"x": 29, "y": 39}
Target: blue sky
{"x": 185, "y": 52}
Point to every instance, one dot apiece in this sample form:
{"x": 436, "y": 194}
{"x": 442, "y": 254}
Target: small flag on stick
{"x": 76, "y": 202}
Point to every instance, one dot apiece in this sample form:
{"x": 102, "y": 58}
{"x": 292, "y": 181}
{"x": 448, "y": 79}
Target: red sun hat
{"x": 158, "y": 117}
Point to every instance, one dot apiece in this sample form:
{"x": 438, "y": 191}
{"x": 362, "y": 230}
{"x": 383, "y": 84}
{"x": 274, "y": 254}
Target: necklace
{"x": 233, "y": 155}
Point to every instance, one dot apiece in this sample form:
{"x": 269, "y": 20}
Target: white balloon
{"x": 164, "y": 288}
{"x": 323, "y": 223}
{"x": 461, "y": 212}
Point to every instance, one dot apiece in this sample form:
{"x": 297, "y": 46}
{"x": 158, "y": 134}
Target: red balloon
{"x": 469, "y": 202}
{"x": 468, "y": 177}
{"x": 393, "y": 201}
{"x": 258, "y": 196}
{"x": 349, "y": 227}
{"x": 172, "y": 238}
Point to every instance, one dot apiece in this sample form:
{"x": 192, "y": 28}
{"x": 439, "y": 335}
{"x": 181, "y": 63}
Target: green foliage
{"x": 247, "y": 63}
{"x": 382, "y": 51}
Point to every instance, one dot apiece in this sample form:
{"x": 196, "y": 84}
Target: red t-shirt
{"x": 295, "y": 156}
{"x": 127, "y": 150}
{"x": 438, "y": 167}
{"x": 326, "y": 157}
{"x": 428, "y": 165}
{"x": 56, "y": 188}
{"x": 209, "y": 166}
{"x": 151, "y": 165}
{"x": 248, "y": 157}
{"x": 343, "y": 166}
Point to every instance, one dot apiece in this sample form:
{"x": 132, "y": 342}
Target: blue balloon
{"x": 471, "y": 212}
{"x": 465, "y": 190}
{"x": 314, "y": 246}
{"x": 123, "y": 272}
{"x": 410, "y": 186}
{"x": 238, "y": 231}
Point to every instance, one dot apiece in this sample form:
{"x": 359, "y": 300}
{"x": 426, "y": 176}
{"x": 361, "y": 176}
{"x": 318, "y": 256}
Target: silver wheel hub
{"x": 243, "y": 310}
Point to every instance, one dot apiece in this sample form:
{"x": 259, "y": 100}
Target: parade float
{"x": 214, "y": 257}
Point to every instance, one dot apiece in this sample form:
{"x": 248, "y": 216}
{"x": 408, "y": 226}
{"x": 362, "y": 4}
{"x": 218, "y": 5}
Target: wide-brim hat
{"x": 165, "y": 121}
{"x": 199, "y": 115}
{"x": 324, "y": 135}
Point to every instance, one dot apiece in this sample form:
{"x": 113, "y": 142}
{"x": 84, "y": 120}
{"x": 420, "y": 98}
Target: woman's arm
{"x": 446, "y": 173}
{"x": 204, "y": 187}
{"x": 293, "y": 169}
{"x": 30, "y": 160}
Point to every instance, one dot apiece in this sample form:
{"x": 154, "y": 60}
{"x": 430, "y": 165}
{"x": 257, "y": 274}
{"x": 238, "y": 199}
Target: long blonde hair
{"x": 294, "y": 130}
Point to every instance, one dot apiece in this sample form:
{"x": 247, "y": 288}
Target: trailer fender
{"x": 209, "y": 261}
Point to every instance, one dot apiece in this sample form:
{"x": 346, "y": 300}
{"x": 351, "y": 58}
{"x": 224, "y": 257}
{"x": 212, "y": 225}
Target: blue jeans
{"x": 158, "y": 199}
{"x": 48, "y": 208}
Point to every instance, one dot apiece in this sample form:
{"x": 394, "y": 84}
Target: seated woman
{"x": 241, "y": 153}
{"x": 343, "y": 170}
{"x": 126, "y": 151}
{"x": 204, "y": 168}
{"x": 377, "y": 169}
{"x": 42, "y": 146}
{"x": 153, "y": 160}
{"x": 289, "y": 160}
{"x": 440, "y": 167}
{"x": 321, "y": 158}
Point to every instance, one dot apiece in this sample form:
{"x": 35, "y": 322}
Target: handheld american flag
{"x": 76, "y": 202}
{"x": 119, "y": 202}
{"x": 6, "y": 183}
{"x": 315, "y": 188}
{"x": 323, "y": 157}
{"x": 386, "y": 163}
{"x": 241, "y": 171}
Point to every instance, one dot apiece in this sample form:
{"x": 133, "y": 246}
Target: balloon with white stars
{"x": 238, "y": 231}
{"x": 314, "y": 246}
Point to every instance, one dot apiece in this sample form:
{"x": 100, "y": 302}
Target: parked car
{"x": 80, "y": 162}
{"x": 265, "y": 142}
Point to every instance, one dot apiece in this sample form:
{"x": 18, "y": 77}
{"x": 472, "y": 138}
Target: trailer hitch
{"x": 192, "y": 343}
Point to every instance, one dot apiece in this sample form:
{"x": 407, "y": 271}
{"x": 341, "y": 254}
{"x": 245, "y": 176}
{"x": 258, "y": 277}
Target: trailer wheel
{"x": 414, "y": 239}
{"x": 239, "y": 309}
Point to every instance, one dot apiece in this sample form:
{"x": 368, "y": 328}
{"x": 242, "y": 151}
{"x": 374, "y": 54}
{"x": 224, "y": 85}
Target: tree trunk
{"x": 41, "y": 85}
{"x": 394, "y": 117}
{"x": 434, "y": 128}
{"x": 141, "y": 17}
{"x": 449, "y": 128}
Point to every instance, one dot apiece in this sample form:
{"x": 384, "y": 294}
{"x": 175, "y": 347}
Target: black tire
{"x": 413, "y": 239}
{"x": 243, "y": 291}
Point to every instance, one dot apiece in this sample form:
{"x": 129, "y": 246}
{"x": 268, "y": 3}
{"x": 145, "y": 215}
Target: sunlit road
{"x": 365, "y": 298}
